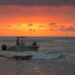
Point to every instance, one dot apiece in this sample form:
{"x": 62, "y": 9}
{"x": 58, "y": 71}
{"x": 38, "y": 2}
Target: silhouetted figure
{"x": 34, "y": 43}
{"x": 17, "y": 43}
{"x": 4, "y": 47}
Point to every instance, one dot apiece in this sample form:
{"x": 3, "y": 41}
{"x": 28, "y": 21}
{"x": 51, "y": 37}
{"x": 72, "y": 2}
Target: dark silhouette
{"x": 4, "y": 47}
{"x": 34, "y": 43}
{"x": 17, "y": 43}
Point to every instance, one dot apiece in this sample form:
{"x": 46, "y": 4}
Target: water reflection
{"x": 13, "y": 67}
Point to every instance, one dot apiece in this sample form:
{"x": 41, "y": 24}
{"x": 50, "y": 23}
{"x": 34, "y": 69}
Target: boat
{"x": 22, "y": 57}
{"x": 20, "y": 50}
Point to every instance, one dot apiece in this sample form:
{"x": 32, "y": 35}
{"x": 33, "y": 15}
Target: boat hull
{"x": 23, "y": 48}
{"x": 22, "y": 57}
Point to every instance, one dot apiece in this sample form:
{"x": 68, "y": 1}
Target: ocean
{"x": 56, "y": 57}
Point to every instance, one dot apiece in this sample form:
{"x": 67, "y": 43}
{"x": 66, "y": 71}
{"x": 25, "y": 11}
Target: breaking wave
{"x": 48, "y": 56}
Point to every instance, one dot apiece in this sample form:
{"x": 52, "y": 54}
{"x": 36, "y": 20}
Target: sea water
{"x": 56, "y": 57}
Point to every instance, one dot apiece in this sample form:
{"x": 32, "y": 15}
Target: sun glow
{"x": 37, "y": 21}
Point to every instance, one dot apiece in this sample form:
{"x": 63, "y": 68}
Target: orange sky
{"x": 37, "y": 21}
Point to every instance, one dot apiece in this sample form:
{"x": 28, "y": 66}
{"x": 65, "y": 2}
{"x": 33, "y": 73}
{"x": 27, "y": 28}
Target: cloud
{"x": 52, "y": 29}
{"x": 67, "y": 29}
{"x": 38, "y": 2}
{"x": 31, "y": 30}
{"x": 55, "y": 25}
{"x": 52, "y": 24}
{"x": 5, "y": 25}
{"x": 30, "y": 25}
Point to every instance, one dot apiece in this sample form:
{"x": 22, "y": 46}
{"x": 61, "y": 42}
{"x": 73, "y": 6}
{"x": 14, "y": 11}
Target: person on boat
{"x": 34, "y": 43}
{"x": 17, "y": 43}
{"x": 20, "y": 42}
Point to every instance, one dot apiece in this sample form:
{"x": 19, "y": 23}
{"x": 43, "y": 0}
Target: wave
{"x": 46, "y": 56}
{"x": 51, "y": 56}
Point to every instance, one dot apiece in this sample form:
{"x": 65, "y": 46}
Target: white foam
{"x": 45, "y": 56}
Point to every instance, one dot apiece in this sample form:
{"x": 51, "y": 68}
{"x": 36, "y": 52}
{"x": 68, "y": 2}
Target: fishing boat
{"x": 20, "y": 50}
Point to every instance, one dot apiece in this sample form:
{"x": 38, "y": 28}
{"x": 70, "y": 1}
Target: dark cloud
{"x": 55, "y": 25}
{"x": 61, "y": 27}
{"x": 38, "y": 2}
{"x": 52, "y": 24}
{"x": 31, "y": 29}
{"x": 67, "y": 29}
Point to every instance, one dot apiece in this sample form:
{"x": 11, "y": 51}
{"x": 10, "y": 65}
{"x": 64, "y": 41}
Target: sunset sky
{"x": 37, "y": 18}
